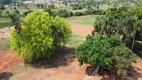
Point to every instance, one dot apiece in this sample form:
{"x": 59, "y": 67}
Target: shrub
{"x": 64, "y": 13}
{"x": 79, "y": 13}
{"x": 27, "y": 12}
{"x": 122, "y": 58}
{"x": 95, "y": 12}
{"x": 40, "y": 36}
{"x": 51, "y": 12}
{"x": 52, "y": 6}
{"x": 107, "y": 52}
{"x": 76, "y": 7}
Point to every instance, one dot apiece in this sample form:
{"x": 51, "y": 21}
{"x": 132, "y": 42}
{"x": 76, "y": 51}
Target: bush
{"x": 79, "y": 13}
{"x": 64, "y": 13}
{"x": 40, "y": 36}
{"x": 52, "y": 6}
{"x": 27, "y": 12}
{"x": 95, "y": 12}
{"x": 51, "y": 12}
{"x": 122, "y": 58}
{"x": 107, "y": 52}
{"x": 76, "y": 7}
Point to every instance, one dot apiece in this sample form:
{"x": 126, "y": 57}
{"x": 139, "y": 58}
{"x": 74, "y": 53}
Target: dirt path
{"x": 7, "y": 58}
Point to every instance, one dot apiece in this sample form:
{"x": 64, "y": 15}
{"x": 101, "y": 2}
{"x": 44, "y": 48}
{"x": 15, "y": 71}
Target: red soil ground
{"x": 7, "y": 58}
{"x": 59, "y": 69}
{"x": 81, "y": 30}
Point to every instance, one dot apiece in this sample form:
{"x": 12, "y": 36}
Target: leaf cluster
{"x": 108, "y": 52}
{"x": 40, "y": 35}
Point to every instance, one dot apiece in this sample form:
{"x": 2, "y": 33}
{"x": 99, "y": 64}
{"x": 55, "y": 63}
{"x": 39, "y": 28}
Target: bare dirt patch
{"x": 61, "y": 67}
{"x": 4, "y": 32}
{"x": 7, "y": 58}
{"x": 82, "y": 30}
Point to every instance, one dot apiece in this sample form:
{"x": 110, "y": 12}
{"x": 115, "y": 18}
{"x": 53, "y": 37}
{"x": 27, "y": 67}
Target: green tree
{"x": 15, "y": 18}
{"x": 27, "y": 12}
{"x": 2, "y": 7}
{"x": 7, "y": 14}
{"x": 108, "y": 52}
{"x": 124, "y": 21}
{"x": 40, "y": 36}
{"x": 64, "y": 13}
{"x": 122, "y": 60}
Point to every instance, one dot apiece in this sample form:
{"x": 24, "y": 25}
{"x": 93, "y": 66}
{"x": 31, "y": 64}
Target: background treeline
{"x": 68, "y": 13}
{"x": 5, "y": 1}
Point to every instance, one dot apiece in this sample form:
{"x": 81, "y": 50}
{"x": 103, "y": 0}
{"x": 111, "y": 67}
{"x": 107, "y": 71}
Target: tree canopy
{"x": 124, "y": 21}
{"x": 40, "y": 36}
{"x": 108, "y": 52}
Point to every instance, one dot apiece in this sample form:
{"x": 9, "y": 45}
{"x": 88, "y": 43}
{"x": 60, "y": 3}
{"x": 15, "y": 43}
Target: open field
{"x": 4, "y": 22}
{"x": 85, "y": 20}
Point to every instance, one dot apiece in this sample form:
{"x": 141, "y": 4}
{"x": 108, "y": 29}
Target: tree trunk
{"x": 133, "y": 42}
{"x": 25, "y": 63}
{"x": 125, "y": 39}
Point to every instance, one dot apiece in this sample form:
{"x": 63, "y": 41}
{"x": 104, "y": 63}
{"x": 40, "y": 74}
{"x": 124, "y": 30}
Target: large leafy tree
{"x": 40, "y": 36}
{"x": 108, "y": 52}
{"x": 124, "y": 21}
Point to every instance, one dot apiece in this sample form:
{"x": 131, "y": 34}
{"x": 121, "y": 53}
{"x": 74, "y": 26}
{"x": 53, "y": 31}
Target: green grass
{"x": 4, "y": 43}
{"x": 85, "y": 20}
{"x": 75, "y": 40}
{"x": 4, "y": 24}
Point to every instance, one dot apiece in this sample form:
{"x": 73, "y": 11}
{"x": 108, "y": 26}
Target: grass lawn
{"x": 4, "y": 22}
{"x": 75, "y": 40}
{"x": 85, "y": 20}
{"x": 4, "y": 44}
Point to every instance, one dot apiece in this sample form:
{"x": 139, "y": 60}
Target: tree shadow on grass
{"x": 63, "y": 56}
{"x": 5, "y": 75}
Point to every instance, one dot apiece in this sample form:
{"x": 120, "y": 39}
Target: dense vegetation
{"x": 107, "y": 49}
{"x": 124, "y": 21}
{"x": 108, "y": 52}
{"x": 42, "y": 32}
{"x": 39, "y": 36}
